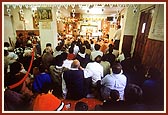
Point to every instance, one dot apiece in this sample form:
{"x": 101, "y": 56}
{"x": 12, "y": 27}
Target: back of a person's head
{"x": 48, "y": 44}
{"x": 73, "y": 43}
{"x": 81, "y": 106}
{"x": 110, "y": 45}
{"x": 98, "y": 59}
{"x": 46, "y": 87}
{"x": 71, "y": 50}
{"x": 97, "y": 47}
{"x": 6, "y": 44}
{"x": 82, "y": 49}
{"x": 116, "y": 68}
{"x": 110, "y": 49}
{"x": 88, "y": 46}
{"x": 86, "y": 42}
{"x": 114, "y": 95}
{"x": 15, "y": 67}
{"x": 58, "y": 48}
{"x": 133, "y": 93}
{"x": 20, "y": 34}
{"x": 58, "y": 60}
{"x": 42, "y": 68}
{"x": 79, "y": 43}
{"x": 91, "y": 41}
{"x": 75, "y": 64}
{"x": 64, "y": 55}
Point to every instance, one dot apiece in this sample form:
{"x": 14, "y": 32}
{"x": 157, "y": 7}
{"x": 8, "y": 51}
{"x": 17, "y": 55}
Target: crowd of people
{"x": 78, "y": 68}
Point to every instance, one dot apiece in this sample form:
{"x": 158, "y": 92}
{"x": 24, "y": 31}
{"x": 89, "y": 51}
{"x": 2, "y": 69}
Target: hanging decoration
{"x": 134, "y": 9}
{"x": 58, "y": 15}
{"x": 35, "y": 17}
{"x": 21, "y": 14}
{"x": 34, "y": 9}
{"x": 73, "y": 13}
{"x": 8, "y": 11}
{"x": 59, "y": 4}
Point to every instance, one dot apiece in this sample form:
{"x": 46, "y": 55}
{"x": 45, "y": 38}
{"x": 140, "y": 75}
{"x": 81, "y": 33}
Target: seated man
{"x": 117, "y": 80}
{"x": 74, "y": 81}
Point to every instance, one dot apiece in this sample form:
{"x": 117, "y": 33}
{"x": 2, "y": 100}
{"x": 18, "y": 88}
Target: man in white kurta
{"x": 96, "y": 69}
{"x": 96, "y": 52}
{"x": 117, "y": 80}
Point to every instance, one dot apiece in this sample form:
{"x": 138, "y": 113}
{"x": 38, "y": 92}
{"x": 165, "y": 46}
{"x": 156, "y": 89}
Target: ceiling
{"x": 85, "y": 8}
{"x": 91, "y": 9}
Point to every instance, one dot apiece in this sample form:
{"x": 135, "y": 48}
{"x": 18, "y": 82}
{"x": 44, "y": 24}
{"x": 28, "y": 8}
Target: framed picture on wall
{"x": 44, "y": 13}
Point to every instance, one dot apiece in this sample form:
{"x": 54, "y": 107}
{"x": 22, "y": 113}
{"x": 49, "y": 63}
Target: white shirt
{"x": 82, "y": 55}
{"x": 94, "y": 54}
{"x": 115, "y": 81}
{"x": 67, "y": 63}
{"x": 12, "y": 57}
{"x": 56, "y": 53}
{"x": 115, "y": 52}
{"x": 92, "y": 47}
{"x": 121, "y": 57}
{"x": 76, "y": 49}
{"x": 117, "y": 35}
{"x": 87, "y": 73}
{"x": 97, "y": 71}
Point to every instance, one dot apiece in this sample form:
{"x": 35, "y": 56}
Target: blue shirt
{"x": 40, "y": 80}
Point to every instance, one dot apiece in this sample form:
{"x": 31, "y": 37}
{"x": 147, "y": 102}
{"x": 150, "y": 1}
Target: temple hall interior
{"x": 83, "y": 56}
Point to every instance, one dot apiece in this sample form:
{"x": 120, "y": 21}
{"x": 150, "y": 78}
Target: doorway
{"x": 142, "y": 35}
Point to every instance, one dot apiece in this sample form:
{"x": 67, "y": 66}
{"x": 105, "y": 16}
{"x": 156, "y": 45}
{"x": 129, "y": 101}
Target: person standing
{"x": 117, "y": 37}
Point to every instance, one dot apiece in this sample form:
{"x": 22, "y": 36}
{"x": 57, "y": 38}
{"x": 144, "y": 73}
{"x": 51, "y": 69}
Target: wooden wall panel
{"x": 127, "y": 43}
{"x": 154, "y": 54}
{"x": 25, "y": 32}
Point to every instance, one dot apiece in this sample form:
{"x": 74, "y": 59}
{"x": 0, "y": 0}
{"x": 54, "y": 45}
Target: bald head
{"x": 75, "y": 64}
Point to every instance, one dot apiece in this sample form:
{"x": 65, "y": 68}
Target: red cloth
{"x": 47, "y": 102}
{"x": 71, "y": 56}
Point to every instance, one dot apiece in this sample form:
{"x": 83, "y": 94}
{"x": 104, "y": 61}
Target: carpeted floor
{"x": 91, "y": 102}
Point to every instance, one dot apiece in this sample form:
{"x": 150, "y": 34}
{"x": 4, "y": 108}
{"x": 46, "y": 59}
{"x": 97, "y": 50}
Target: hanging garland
{"x": 68, "y": 4}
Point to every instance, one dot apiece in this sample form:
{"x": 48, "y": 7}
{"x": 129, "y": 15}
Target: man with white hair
{"x": 75, "y": 82}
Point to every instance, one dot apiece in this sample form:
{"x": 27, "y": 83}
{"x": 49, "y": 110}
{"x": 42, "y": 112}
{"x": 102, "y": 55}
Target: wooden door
{"x": 143, "y": 31}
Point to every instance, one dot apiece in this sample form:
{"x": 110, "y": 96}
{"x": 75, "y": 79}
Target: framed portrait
{"x": 44, "y": 13}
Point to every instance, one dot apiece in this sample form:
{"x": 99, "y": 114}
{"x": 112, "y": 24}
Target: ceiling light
{"x": 96, "y": 11}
